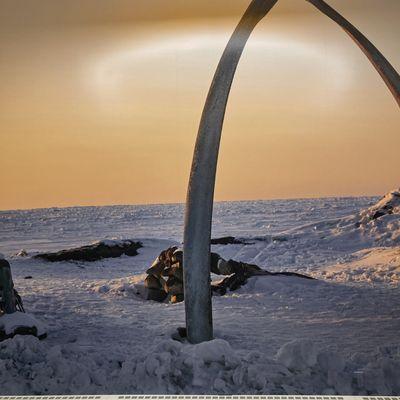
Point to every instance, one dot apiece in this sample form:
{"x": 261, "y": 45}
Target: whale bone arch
{"x": 200, "y": 194}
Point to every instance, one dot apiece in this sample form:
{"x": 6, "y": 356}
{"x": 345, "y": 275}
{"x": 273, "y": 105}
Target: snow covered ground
{"x": 335, "y": 335}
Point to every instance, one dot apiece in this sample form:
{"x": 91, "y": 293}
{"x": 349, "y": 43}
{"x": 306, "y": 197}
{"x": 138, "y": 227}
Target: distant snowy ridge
{"x": 378, "y": 224}
{"x": 388, "y": 204}
{"x": 370, "y": 222}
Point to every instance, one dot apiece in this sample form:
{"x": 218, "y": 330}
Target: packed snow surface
{"x": 277, "y": 335}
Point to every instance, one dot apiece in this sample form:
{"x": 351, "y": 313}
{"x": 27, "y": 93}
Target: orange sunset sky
{"x": 100, "y": 101}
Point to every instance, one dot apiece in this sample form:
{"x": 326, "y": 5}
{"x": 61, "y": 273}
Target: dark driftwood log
{"x": 239, "y": 279}
{"x": 228, "y": 240}
{"x": 94, "y": 252}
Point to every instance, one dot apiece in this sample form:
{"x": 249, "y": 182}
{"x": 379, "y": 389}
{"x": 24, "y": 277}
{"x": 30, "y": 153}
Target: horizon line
{"x": 183, "y": 202}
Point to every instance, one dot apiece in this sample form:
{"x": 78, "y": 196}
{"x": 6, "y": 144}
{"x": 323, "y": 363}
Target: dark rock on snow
{"x": 94, "y": 252}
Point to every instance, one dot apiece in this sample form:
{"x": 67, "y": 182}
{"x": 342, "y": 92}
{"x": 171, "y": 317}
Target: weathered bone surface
{"x": 94, "y": 252}
{"x": 378, "y": 60}
{"x": 199, "y": 202}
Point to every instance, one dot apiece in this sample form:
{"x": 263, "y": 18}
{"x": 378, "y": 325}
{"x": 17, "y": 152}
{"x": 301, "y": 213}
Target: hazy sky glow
{"x": 101, "y": 105}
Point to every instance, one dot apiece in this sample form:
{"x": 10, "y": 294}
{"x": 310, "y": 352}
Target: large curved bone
{"x": 199, "y": 202}
{"x": 381, "y": 64}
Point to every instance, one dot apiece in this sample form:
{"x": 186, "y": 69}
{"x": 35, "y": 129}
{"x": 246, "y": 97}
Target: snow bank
{"x": 10, "y": 322}
{"x": 376, "y": 225}
{"x": 28, "y": 366}
{"x": 299, "y": 367}
{"x": 375, "y": 265}
{"x": 387, "y": 205}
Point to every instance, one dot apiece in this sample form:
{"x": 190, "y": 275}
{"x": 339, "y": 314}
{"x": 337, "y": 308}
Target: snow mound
{"x": 376, "y": 225}
{"x": 127, "y": 287}
{"x": 9, "y": 323}
{"x": 375, "y": 265}
{"x": 315, "y": 370}
{"x": 28, "y": 366}
{"x": 298, "y": 354}
{"x": 388, "y": 204}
